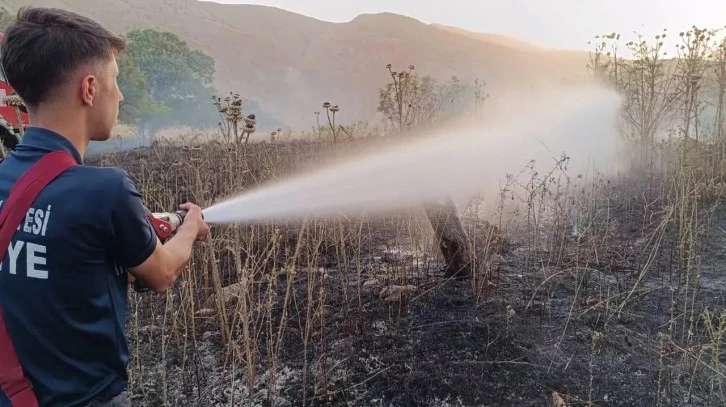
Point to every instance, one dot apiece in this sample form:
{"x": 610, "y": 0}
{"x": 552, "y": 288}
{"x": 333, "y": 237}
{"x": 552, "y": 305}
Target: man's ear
{"x": 89, "y": 87}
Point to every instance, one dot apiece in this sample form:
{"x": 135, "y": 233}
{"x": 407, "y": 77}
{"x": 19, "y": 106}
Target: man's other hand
{"x": 194, "y": 220}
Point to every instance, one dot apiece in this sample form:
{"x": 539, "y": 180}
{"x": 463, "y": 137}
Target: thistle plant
{"x": 331, "y": 121}
{"x": 230, "y": 109}
{"x": 17, "y": 103}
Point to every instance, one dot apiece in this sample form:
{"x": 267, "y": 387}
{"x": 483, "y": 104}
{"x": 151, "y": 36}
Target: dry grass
{"x": 267, "y": 290}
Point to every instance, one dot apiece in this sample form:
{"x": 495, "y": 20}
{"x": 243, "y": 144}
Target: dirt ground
{"x": 544, "y": 328}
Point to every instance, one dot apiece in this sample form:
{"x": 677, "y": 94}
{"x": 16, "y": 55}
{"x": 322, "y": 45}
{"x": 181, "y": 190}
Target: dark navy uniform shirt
{"x": 63, "y": 281}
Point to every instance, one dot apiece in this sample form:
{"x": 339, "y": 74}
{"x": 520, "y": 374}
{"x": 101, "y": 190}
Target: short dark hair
{"x": 43, "y": 46}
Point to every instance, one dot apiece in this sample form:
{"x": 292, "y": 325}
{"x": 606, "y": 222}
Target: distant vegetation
{"x": 410, "y": 100}
{"x": 5, "y": 18}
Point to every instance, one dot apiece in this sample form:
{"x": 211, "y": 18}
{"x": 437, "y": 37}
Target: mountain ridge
{"x": 290, "y": 63}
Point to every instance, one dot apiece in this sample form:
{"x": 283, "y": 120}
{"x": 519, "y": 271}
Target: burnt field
{"x": 605, "y": 291}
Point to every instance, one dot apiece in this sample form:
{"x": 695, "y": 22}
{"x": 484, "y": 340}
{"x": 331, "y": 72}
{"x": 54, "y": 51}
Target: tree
{"x": 139, "y": 106}
{"x": 177, "y": 76}
{"x": 409, "y": 102}
{"x": 480, "y": 95}
{"x": 719, "y": 72}
{"x": 648, "y": 82}
{"x": 173, "y": 70}
{"x": 6, "y": 18}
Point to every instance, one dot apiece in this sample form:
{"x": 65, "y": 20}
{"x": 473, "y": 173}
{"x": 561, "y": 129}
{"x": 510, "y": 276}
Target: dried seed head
{"x": 13, "y": 100}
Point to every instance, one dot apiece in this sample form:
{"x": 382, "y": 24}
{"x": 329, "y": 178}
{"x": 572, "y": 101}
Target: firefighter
{"x": 64, "y": 278}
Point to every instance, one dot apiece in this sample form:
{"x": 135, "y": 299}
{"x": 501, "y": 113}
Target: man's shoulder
{"x": 100, "y": 188}
{"x": 104, "y": 173}
{"x": 108, "y": 179}
{"x": 77, "y": 178}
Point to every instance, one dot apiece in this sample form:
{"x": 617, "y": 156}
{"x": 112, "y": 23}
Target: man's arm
{"x": 137, "y": 248}
{"x": 162, "y": 268}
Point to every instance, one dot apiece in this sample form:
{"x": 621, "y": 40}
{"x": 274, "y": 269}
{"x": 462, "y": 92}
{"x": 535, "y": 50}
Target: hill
{"x": 290, "y": 64}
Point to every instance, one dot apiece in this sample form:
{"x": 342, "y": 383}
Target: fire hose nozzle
{"x": 165, "y": 225}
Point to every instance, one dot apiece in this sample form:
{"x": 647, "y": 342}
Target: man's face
{"x": 106, "y": 102}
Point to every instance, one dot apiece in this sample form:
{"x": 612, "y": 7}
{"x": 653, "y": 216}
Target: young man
{"x": 63, "y": 281}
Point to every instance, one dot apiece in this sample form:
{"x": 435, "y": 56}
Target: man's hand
{"x": 194, "y": 220}
{"x": 162, "y": 268}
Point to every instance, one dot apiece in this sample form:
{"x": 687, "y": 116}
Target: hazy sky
{"x": 554, "y": 23}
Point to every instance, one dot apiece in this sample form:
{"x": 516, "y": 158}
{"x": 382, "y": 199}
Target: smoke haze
{"x": 457, "y": 160}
